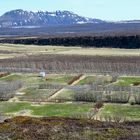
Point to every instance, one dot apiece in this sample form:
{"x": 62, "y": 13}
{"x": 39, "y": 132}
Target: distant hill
{"x": 21, "y": 18}
{"x": 28, "y": 23}
{"x": 27, "y": 19}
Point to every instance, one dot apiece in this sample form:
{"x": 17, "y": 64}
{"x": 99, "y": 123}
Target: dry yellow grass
{"x": 34, "y": 49}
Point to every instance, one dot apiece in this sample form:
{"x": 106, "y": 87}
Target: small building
{"x": 42, "y": 74}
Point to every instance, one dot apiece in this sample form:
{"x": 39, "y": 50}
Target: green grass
{"x": 61, "y": 109}
{"x": 126, "y": 81}
{"x": 91, "y": 79}
{"x": 128, "y": 111}
{"x": 28, "y": 78}
{"x": 59, "y": 79}
{"x": 87, "y": 80}
{"x": 64, "y": 110}
{"x": 35, "y": 79}
{"x": 66, "y": 94}
{"x": 36, "y": 94}
{"x": 11, "y": 77}
{"x": 7, "y": 107}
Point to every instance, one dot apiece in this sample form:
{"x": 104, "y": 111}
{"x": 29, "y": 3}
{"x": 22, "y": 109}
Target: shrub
{"x": 137, "y": 98}
{"x": 119, "y": 97}
{"x": 99, "y": 104}
{"x": 3, "y": 74}
{"x": 88, "y": 96}
{"x": 136, "y": 83}
{"x": 132, "y": 100}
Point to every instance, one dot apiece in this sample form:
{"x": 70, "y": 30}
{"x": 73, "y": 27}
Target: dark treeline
{"x": 124, "y": 41}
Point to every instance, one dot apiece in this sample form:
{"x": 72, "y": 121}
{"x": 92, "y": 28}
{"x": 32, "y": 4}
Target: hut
{"x": 42, "y": 74}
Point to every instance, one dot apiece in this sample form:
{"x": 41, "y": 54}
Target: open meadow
{"x": 16, "y": 50}
{"x": 70, "y": 95}
{"x": 91, "y": 85}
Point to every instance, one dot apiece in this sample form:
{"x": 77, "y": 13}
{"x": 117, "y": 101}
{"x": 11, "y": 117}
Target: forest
{"x": 87, "y": 41}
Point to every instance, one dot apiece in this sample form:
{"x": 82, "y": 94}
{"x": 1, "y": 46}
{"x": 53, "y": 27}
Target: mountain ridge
{"x": 21, "y": 18}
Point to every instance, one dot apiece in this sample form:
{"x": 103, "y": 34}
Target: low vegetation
{"x": 125, "y": 111}
{"x": 66, "y": 128}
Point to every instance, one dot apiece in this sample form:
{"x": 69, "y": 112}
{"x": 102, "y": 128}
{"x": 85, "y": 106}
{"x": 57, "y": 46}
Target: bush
{"x": 132, "y": 100}
{"x": 136, "y": 83}
{"x": 99, "y": 104}
{"x": 88, "y": 96}
{"x": 118, "y": 97}
{"x": 3, "y": 74}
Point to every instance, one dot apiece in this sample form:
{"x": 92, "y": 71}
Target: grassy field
{"x": 32, "y": 93}
{"x": 69, "y": 109}
{"x": 127, "y": 81}
{"x": 124, "y": 110}
{"x": 65, "y": 110}
{"x": 33, "y": 78}
{"x": 66, "y": 94}
{"x": 23, "y": 50}
{"x": 32, "y": 82}
{"x": 12, "y": 77}
{"x": 59, "y": 79}
{"x": 89, "y": 79}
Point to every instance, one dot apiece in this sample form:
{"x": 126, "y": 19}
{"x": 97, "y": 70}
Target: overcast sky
{"x": 103, "y": 9}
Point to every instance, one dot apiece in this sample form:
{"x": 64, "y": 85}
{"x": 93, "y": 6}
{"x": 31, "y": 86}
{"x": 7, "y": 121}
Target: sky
{"x": 102, "y": 9}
